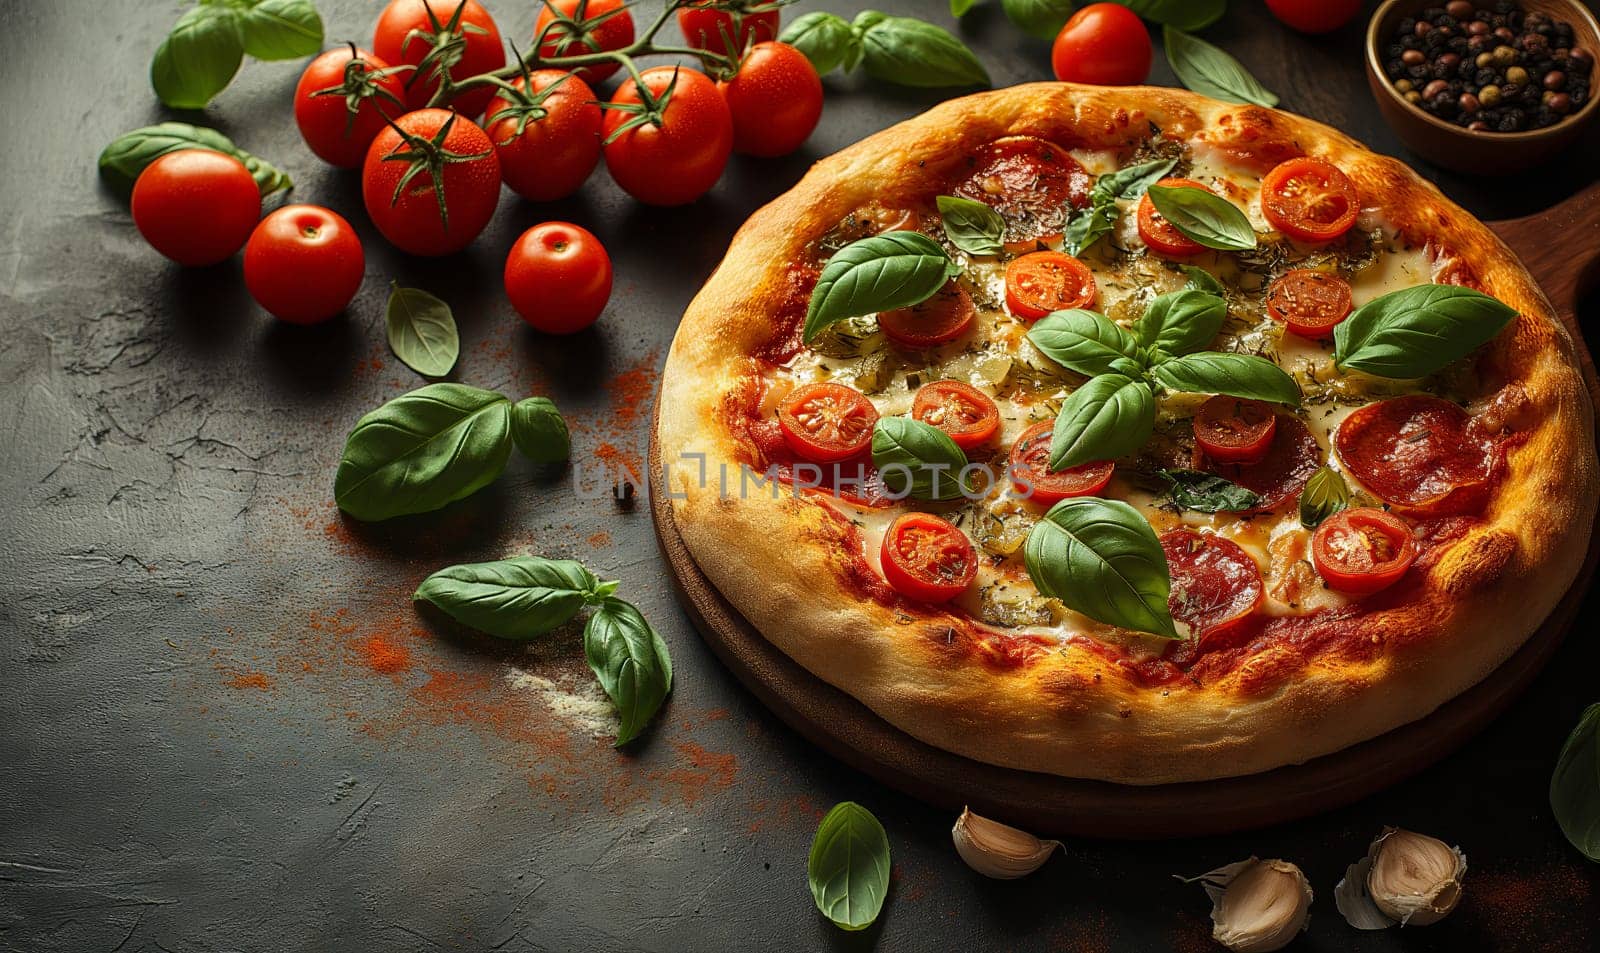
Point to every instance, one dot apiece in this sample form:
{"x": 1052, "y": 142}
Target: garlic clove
{"x": 1257, "y": 906}
{"x": 1353, "y": 901}
{"x": 998, "y": 850}
{"x": 1414, "y": 878}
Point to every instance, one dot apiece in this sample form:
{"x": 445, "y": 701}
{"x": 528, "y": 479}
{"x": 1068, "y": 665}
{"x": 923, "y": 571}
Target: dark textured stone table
{"x": 223, "y": 727}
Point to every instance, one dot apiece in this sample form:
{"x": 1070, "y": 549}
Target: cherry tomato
{"x": 1234, "y": 430}
{"x": 1046, "y": 281}
{"x": 677, "y": 156}
{"x": 1032, "y": 477}
{"x": 406, "y": 34}
{"x": 775, "y": 100}
{"x": 1315, "y": 16}
{"x": 1160, "y": 234}
{"x": 580, "y": 27}
{"x": 558, "y": 277}
{"x": 1362, "y": 550}
{"x": 827, "y": 422}
{"x": 1309, "y": 302}
{"x": 413, "y": 218}
{"x": 196, "y": 206}
{"x": 331, "y": 84}
{"x": 549, "y": 141}
{"x": 303, "y": 264}
{"x": 1215, "y": 584}
{"x": 1104, "y": 44}
{"x": 962, "y": 411}
{"x": 1309, "y": 199}
{"x": 707, "y": 28}
{"x": 944, "y": 317}
{"x": 927, "y": 559}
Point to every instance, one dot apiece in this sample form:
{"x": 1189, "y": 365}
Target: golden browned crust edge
{"x": 1072, "y": 713}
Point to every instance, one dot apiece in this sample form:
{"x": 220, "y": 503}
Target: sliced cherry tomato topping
{"x": 1158, "y": 233}
{"x": 1291, "y": 458}
{"x": 1232, "y": 430}
{"x": 1309, "y": 199}
{"x": 943, "y": 317}
{"x": 1309, "y": 302}
{"x": 1362, "y": 550}
{"x": 1215, "y": 584}
{"x": 960, "y": 410}
{"x": 1032, "y": 477}
{"x": 1420, "y": 454}
{"x": 1046, "y": 281}
{"x": 927, "y": 559}
{"x": 1031, "y": 182}
{"x": 827, "y": 422}
{"x": 854, "y": 480}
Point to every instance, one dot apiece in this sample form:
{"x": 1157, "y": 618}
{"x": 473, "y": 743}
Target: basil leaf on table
{"x": 1102, "y": 559}
{"x": 1181, "y": 321}
{"x": 1111, "y": 416}
{"x": 539, "y": 431}
{"x": 422, "y": 451}
{"x": 960, "y": 8}
{"x": 1203, "y": 216}
{"x": 1202, "y": 280}
{"x": 1324, "y": 494}
{"x": 1575, "y": 785}
{"x": 1209, "y": 71}
{"x": 1131, "y": 183}
{"x": 129, "y": 154}
{"x": 1041, "y": 18}
{"x": 631, "y": 662}
{"x": 971, "y": 226}
{"x": 199, "y": 58}
{"x": 1417, "y": 331}
{"x": 1208, "y": 493}
{"x": 1181, "y": 14}
{"x": 281, "y": 29}
{"x": 1236, "y": 375}
{"x": 516, "y": 598}
{"x": 913, "y": 53}
{"x": 848, "y": 866}
{"x": 826, "y": 40}
{"x": 917, "y": 459}
{"x": 1083, "y": 341}
{"x": 878, "y": 273}
{"x": 422, "y": 331}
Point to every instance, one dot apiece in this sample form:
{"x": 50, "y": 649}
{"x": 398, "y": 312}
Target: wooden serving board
{"x": 1560, "y": 247}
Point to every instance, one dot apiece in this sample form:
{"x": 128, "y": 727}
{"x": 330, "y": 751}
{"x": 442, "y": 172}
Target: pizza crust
{"x": 787, "y": 566}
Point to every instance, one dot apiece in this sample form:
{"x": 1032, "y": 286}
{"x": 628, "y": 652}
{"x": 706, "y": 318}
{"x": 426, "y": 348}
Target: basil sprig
{"x": 1111, "y": 416}
{"x": 1041, "y": 18}
{"x": 971, "y": 226}
{"x": 1236, "y": 375}
{"x": 1181, "y": 321}
{"x": 848, "y": 866}
{"x": 917, "y": 459}
{"x": 631, "y": 662}
{"x": 901, "y": 50}
{"x": 539, "y": 431}
{"x": 1202, "y": 280}
{"x": 422, "y": 331}
{"x": 1209, "y": 71}
{"x": 1204, "y": 216}
{"x": 1417, "y": 331}
{"x": 199, "y": 58}
{"x": 1083, "y": 341}
{"x": 1101, "y": 558}
{"x": 1085, "y": 226}
{"x": 878, "y": 273}
{"x": 1324, "y": 494}
{"x": 1575, "y": 785}
{"x": 128, "y": 154}
{"x": 1208, "y": 493}
{"x": 516, "y": 598}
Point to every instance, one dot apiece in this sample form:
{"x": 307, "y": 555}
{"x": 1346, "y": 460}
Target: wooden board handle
{"x": 1560, "y": 247}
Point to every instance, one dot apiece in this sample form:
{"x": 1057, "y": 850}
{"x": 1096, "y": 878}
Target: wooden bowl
{"x": 1455, "y": 147}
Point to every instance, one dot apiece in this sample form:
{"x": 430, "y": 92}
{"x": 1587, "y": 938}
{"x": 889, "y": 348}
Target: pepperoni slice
{"x": 1309, "y": 302}
{"x": 962, "y": 411}
{"x": 1419, "y": 454}
{"x": 944, "y": 317}
{"x": 1161, "y": 235}
{"x": 1280, "y": 475}
{"x": 1046, "y": 281}
{"x": 1031, "y": 182}
{"x": 1215, "y": 584}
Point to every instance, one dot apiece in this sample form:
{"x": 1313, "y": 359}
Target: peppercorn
{"x": 1489, "y": 95}
{"x": 1555, "y": 79}
{"x": 1460, "y": 9}
{"x": 1468, "y": 103}
{"x": 1504, "y": 56}
{"x": 1516, "y": 74}
{"x": 1412, "y": 57}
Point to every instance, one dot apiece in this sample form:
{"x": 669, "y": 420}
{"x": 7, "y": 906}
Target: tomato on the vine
{"x": 196, "y": 206}
{"x": 1105, "y": 44}
{"x": 1316, "y": 16}
{"x": 431, "y": 182}
{"x": 580, "y": 27}
{"x": 558, "y": 277}
{"x": 547, "y": 139}
{"x": 670, "y": 145}
{"x": 341, "y": 101}
{"x": 303, "y": 264}
{"x": 416, "y": 31}
{"x": 775, "y": 100}
{"x": 711, "y": 25}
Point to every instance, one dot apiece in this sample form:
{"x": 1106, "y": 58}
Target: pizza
{"x": 1128, "y": 435}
